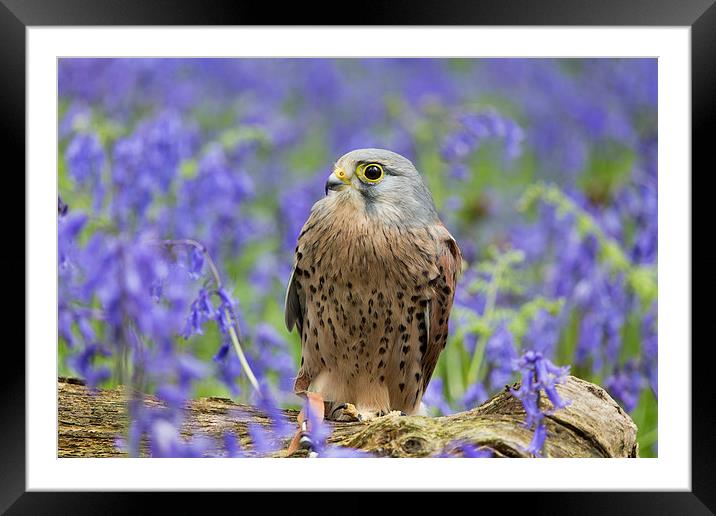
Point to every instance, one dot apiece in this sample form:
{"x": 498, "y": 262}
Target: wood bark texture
{"x": 593, "y": 425}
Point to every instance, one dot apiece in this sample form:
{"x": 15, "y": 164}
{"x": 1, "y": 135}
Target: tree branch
{"x": 593, "y": 425}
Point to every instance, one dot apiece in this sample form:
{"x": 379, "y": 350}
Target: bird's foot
{"x": 384, "y": 413}
{"x": 349, "y": 412}
{"x": 345, "y": 412}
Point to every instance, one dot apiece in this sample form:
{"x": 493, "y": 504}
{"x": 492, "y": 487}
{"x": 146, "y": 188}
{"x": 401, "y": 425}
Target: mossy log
{"x": 593, "y": 425}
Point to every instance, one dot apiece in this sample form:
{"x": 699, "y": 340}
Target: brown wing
{"x": 295, "y": 302}
{"x": 449, "y": 262}
{"x": 294, "y": 313}
{"x": 294, "y": 305}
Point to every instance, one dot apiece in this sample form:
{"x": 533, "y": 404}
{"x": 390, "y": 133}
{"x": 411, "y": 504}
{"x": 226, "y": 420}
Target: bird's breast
{"x": 347, "y": 241}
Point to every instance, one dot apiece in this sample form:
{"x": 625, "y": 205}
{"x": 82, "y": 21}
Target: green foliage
{"x": 642, "y": 279}
{"x": 504, "y": 275}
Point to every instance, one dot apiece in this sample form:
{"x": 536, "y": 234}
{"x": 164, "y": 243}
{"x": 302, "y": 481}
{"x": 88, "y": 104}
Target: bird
{"x": 371, "y": 288}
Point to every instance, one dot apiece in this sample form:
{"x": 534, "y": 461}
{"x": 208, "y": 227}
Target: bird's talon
{"x": 346, "y": 412}
{"x": 383, "y": 413}
{"x": 342, "y": 406}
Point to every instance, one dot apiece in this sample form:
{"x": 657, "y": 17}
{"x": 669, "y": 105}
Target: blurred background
{"x": 544, "y": 170}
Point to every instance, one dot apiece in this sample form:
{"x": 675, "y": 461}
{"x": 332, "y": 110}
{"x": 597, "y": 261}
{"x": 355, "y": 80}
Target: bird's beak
{"x": 337, "y": 180}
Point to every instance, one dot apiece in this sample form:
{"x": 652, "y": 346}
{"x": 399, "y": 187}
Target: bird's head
{"x": 385, "y": 184}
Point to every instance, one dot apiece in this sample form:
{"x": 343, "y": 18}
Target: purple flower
{"x": 165, "y": 441}
{"x": 266, "y": 402}
{"x": 76, "y": 118}
{"x": 464, "y": 449}
{"x": 626, "y": 384}
{"x": 85, "y": 158}
{"x": 201, "y": 311}
{"x": 434, "y": 398}
{"x": 537, "y": 443}
{"x": 500, "y": 352}
{"x": 229, "y": 369}
{"x": 84, "y": 364}
{"x": 196, "y": 262}
{"x": 261, "y": 439}
{"x": 459, "y": 171}
{"x": 69, "y": 227}
{"x": 474, "y": 395}
{"x": 232, "y": 445}
{"x": 225, "y": 317}
{"x": 538, "y": 373}
{"x": 480, "y": 127}
{"x": 342, "y": 452}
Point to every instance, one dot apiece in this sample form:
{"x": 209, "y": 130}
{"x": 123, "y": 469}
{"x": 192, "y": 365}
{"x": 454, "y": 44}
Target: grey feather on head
{"x": 400, "y": 197}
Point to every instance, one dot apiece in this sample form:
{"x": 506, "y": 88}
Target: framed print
{"x": 412, "y": 249}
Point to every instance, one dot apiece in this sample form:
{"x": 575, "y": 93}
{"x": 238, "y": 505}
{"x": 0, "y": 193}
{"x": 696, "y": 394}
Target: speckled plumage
{"x": 372, "y": 288}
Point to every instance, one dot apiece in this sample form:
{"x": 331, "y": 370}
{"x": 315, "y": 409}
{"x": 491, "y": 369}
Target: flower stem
{"x": 234, "y": 331}
{"x": 473, "y": 372}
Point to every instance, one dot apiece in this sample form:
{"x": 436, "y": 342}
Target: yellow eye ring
{"x": 371, "y": 173}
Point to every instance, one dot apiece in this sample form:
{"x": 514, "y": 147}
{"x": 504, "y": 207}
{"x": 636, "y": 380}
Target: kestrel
{"x": 372, "y": 288}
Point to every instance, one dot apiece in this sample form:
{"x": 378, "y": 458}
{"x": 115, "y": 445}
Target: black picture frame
{"x": 17, "y": 15}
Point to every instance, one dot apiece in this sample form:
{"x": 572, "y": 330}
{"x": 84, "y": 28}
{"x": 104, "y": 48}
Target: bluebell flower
{"x": 84, "y": 364}
{"x": 165, "y": 441}
{"x": 68, "y": 228}
{"x": 625, "y": 384}
{"x": 538, "y": 373}
{"x": 229, "y": 371}
{"x": 201, "y": 311}
{"x": 500, "y": 353}
{"x": 223, "y": 351}
{"x": 174, "y": 395}
{"x": 232, "y": 445}
{"x": 266, "y": 402}
{"x": 537, "y": 443}
{"x": 543, "y": 332}
{"x": 261, "y": 439}
{"x": 465, "y": 449}
{"x": 477, "y": 128}
{"x": 225, "y": 311}
{"x": 471, "y": 451}
{"x": 342, "y": 452}
{"x": 196, "y": 262}
{"x": 76, "y": 118}
{"x": 85, "y": 158}
{"x": 434, "y": 398}
{"x": 474, "y": 395}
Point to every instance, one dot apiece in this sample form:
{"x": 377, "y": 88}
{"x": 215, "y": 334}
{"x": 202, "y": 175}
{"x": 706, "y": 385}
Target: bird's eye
{"x": 372, "y": 172}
